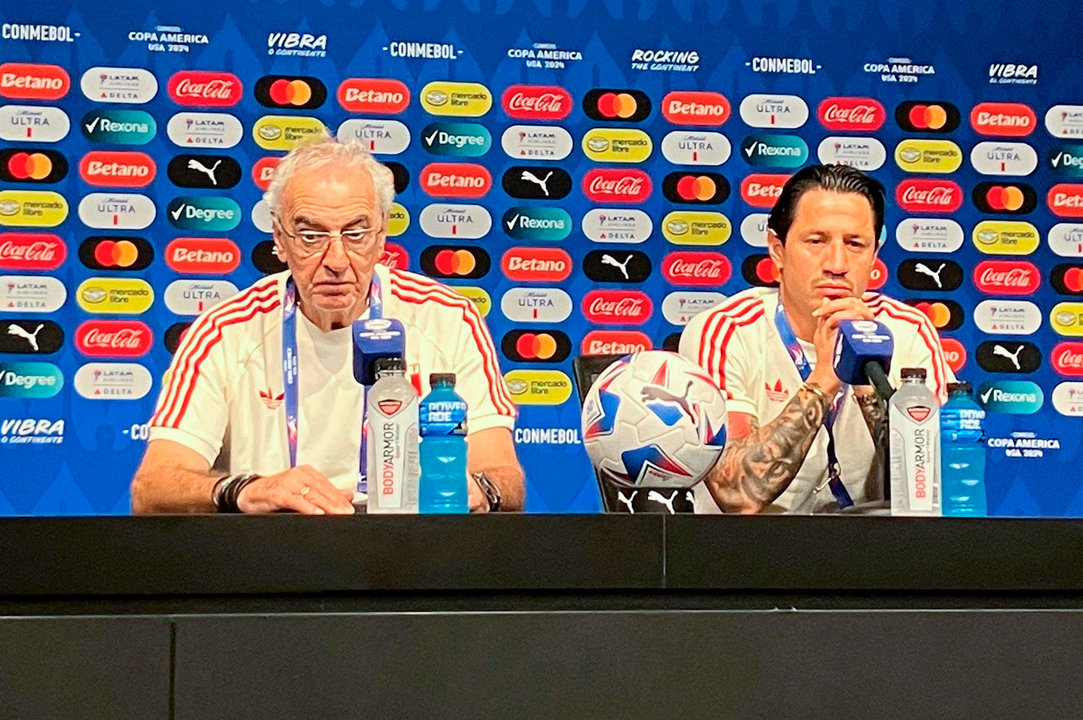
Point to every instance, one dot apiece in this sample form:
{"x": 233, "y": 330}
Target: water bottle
{"x": 914, "y": 420}
{"x": 392, "y": 442}
{"x": 443, "y": 448}
{"x": 962, "y": 454}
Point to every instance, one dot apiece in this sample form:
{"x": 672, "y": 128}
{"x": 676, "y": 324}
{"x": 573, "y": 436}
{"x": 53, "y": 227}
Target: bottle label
{"x": 915, "y": 477}
{"x": 443, "y": 417}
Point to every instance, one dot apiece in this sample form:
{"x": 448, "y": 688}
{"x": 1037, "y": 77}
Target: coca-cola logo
{"x": 850, "y": 114}
{"x": 617, "y": 307}
{"x": 614, "y": 342}
{"x": 537, "y": 102}
{"x": 395, "y": 256}
{"x": 536, "y": 264}
{"x": 200, "y": 88}
{"x": 31, "y": 251}
{"x": 616, "y": 186}
{"x": 114, "y": 338}
{"x": 762, "y": 190}
{"x": 707, "y": 269}
{"x": 1067, "y": 358}
{"x": 929, "y": 196}
{"x": 1006, "y": 277}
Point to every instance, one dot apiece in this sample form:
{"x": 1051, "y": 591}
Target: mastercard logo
{"x": 34, "y": 166}
{"x": 1067, "y": 279}
{"x": 536, "y": 346}
{"x": 455, "y": 262}
{"x": 617, "y": 105}
{"x": 303, "y": 93}
{"x": 954, "y": 353}
{"x": 930, "y": 116}
{"x": 760, "y": 270}
{"x": 946, "y": 315}
{"x": 112, "y": 253}
{"x": 697, "y": 188}
{"x": 1006, "y": 198}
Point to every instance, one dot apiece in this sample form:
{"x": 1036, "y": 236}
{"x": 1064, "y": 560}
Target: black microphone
{"x": 863, "y": 355}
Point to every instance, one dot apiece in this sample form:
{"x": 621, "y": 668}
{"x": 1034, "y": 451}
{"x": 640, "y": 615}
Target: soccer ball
{"x": 654, "y": 419}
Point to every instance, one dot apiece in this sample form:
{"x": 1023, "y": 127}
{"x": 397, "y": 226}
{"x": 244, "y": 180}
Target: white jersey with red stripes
{"x": 738, "y": 344}
{"x": 225, "y": 384}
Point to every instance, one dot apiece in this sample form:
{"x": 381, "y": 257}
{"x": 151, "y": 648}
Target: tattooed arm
{"x": 874, "y": 410}
{"x": 759, "y": 463}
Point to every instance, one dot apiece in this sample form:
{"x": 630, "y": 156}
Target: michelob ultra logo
{"x": 863, "y": 153}
{"x": 1013, "y": 397}
{"x": 1004, "y": 237}
{"x": 119, "y": 127}
{"x": 205, "y": 89}
{"x": 380, "y": 137}
{"x": 613, "y": 225}
{"x": 1066, "y": 239}
{"x": 32, "y": 166}
{"x": 456, "y": 139}
{"x": 1003, "y": 119}
{"x": 774, "y": 151}
{"x": 31, "y": 293}
{"x": 398, "y": 219}
{"x": 202, "y": 256}
{"x": 622, "y": 145}
{"x": 1004, "y": 158}
{"x": 285, "y": 132}
{"x": 538, "y": 387}
{"x": 537, "y": 223}
{"x": 928, "y": 156}
{"x": 447, "y": 220}
{"x": 546, "y": 305}
{"x": 192, "y": 297}
{"x": 134, "y": 86}
{"x": 114, "y": 296}
{"x": 27, "y": 81}
{"x": 117, "y": 211}
{"x": 31, "y": 251}
{"x": 696, "y": 108}
{"x": 117, "y": 169}
{"x": 686, "y": 227}
{"x": 476, "y": 295}
{"x": 206, "y": 130}
{"x": 1067, "y": 318}
{"x": 32, "y": 208}
{"x": 204, "y": 214}
{"x": 1067, "y": 160}
{"x": 112, "y": 381}
{"x": 456, "y": 98}
{"x": 378, "y": 96}
{"x": 30, "y": 380}
{"x": 774, "y": 111}
{"x": 690, "y": 147}
{"x": 26, "y": 123}
{"x": 261, "y": 216}
{"x": 754, "y": 229}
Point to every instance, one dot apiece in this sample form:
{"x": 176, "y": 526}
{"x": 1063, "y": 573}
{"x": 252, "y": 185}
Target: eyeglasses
{"x": 318, "y": 241}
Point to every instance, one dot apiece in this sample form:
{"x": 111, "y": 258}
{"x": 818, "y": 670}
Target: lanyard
{"x": 289, "y": 367}
{"x": 793, "y": 347}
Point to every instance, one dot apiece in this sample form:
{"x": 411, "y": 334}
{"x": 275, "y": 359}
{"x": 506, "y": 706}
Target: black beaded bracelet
{"x": 234, "y": 484}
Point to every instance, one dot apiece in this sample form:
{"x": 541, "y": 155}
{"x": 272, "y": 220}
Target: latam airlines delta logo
{"x": 134, "y": 86}
{"x": 31, "y": 293}
{"x": 119, "y": 127}
{"x": 204, "y": 130}
{"x": 200, "y": 88}
{"x": 613, "y": 225}
{"x": 112, "y": 381}
{"x": 376, "y": 96}
{"x": 27, "y": 81}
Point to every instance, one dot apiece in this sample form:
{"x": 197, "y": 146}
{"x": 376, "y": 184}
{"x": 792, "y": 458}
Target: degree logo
{"x": 686, "y": 227}
{"x": 192, "y": 297}
{"x": 26, "y": 336}
{"x": 119, "y": 127}
{"x": 701, "y": 269}
{"x": 31, "y": 293}
{"x": 687, "y": 147}
{"x": 774, "y": 151}
{"x": 1003, "y": 237}
{"x": 464, "y": 180}
{"x": 204, "y": 214}
{"x": 1067, "y": 160}
{"x": 32, "y": 166}
{"x": 26, "y": 123}
{"x": 537, "y": 223}
{"x": 946, "y": 315}
{"x": 1066, "y": 200}
{"x": 375, "y": 96}
{"x": 202, "y": 256}
{"x": 623, "y": 266}
{"x": 446, "y": 220}
{"x": 537, "y": 102}
{"x": 761, "y": 191}
{"x": 114, "y": 338}
{"x": 456, "y": 139}
{"x": 709, "y": 109}
{"x": 933, "y": 274}
{"x": 31, "y": 251}
{"x": 1067, "y": 279}
{"x": 760, "y": 270}
{"x": 380, "y": 137}
{"x": 614, "y": 342}
{"x": 851, "y": 114}
{"x": 1007, "y": 277}
{"x": 456, "y": 98}
{"x": 533, "y": 305}
{"x": 538, "y": 387}
{"x": 706, "y": 188}
{"x": 619, "y": 145}
{"x": 112, "y": 381}
{"x": 107, "y": 253}
{"x": 1001, "y": 356}
{"x": 1004, "y": 158}
{"x": 527, "y": 264}
{"x": 205, "y": 130}
{"x": 919, "y": 195}
{"x": 534, "y": 182}
{"x": 285, "y": 132}
{"x": 1012, "y": 397}
{"x": 134, "y": 86}
{"x": 551, "y": 346}
{"x": 32, "y": 208}
{"x": 774, "y": 111}
{"x": 27, "y": 81}
{"x": 954, "y": 353}
{"x": 114, "y": 296}
{"x": 455, "y": 262}
{"x": 932, "y": 116}
{"x": 30, "y": 380}
{"x": 1005, "y": 198}
{"x": 863, "y": 153}
{"x": 1003, "y": 119}
{"x": 613, "y": 225}
{"x": 291, "y": 93}
{"x": 617, "y": 307}
{"x": 610, "y": 185}
{"x": 200, "y": 88}
{"x": 207, "y": 171}
{"x": 623, "y": 105}
{"x": 106, "y": 168}
{"x": 928, "y": 156}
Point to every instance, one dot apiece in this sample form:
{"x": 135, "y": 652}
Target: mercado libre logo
{"x": 31, "y": 165}
{"x": 291, "y": 93}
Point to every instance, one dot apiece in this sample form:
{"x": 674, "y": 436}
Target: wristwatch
{"x": 490, "y": 490}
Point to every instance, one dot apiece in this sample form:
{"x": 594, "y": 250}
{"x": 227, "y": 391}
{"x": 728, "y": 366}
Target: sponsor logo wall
{"x": 590, "y": 175}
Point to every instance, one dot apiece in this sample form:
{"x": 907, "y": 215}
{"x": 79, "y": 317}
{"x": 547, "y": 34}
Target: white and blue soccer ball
{"x": 654, "y": 419}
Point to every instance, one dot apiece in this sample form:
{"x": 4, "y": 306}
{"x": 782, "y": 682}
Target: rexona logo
{"x": 613, "y": 225}
{"x": 1008, "y": 357}
{"x": 457, "y": 99}
{"x": 537, "y": 223}
{"x": 1002, "y": 237}
{"x": 1067, "y": 359}
{"x": 1067, "y": 318}
{"x": 526, "y": 264}
{"x": 616, "y": 105}
{"x": 708, "y": 269}
{"x": 117, "y": 169}
{"x": 536, "y": 102}
{"x": 1066, "y": 200}
{"x": 1003, "y": 119}
{"x": 292, "y": 93}
{"x": 1066, "y": 160}
{"x": 946, "y": 315}
{"x": 30, "y": 380}
{"x": 689, "y": 147}
{"x": 1004, "y": 158}
{"x": 1006, "y": 198}
{"x": 25, "y": 123}
{"x": 204, "y": 130}
{"x": 202, "y": 256}
{"x": 534, "y": 182}
{"x": 455, "y": 262}
{"x": 544, "y": 305}
{"x": 709, "y": 109}
{"x": 686, "y": 227}
{"x": 929, "y": 235}
{"x": 114, "y": 338}
{"x": 106, "y": 253}
{"x": 928, "y": 156}
{"x": 1012, "y": 397}
{"x": 207, "y": 171}
{"x": 1067, "y": 279}
{"x": 445, "y": 220}
{"x": 464, "y": 180}
{"x": 759, "y": 190}
{"x": 204, "y": 214}
{"x": 929, "y": 196}
{"x": 863, "y": 153}
{"x": 1007, "y": 277}
{"x": 1007, "y": 317}
{"x": 285, "y": 132}
{"x": 1066, "y": 239}
{"x": 114, "y": 296}
{"x": 614, "y": 342}
{"x": 617, "y": 266}
{"x": 380, "y": 137}
{"x": 930, "y": 274}
{"x": 192, "y": 297}
{"x": 31, "y": 293}
{"x": 774, "y": 111}
{"x": 199, "y": 88}
{"x": 32, "y": 208}
{"x": 31, "y": 251}
{"x": 620, "y": 145}
{"x": 536, "y": 142}
{"x": 617, "y": 307}
{"x": 456, "y": 139}
{"x": 376, "y": 96}
{"x": 851, "y": 114}
{"x": 538, "y": 387}
{"x": 678, "y": 308}
{"x": 1065, "y": 121}
{"x": 610, "y": 185}
{"x": 119, "y": 127}
{"x": 774, "y": 151}
{"x": 705, "y": 188}
{"x": 26, "y": 81}
{"x": 32, "y": 166}
{"x": 134, "y": 86}
{"x": 23, "y": 336}
{"x": 932, "y": 116}
{"x": 536, "y": 346}
{"x": 112, "y": 381}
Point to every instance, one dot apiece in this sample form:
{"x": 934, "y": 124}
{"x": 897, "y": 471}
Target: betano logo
{"x": 376, "y": 96}
{"x": 1003, "y": 237}
{"x": 686, "y": 227}
{"x": 761, "y": 191}
{"x": 851, "y": 114}
{"x": 285, "y": 132}
{"x": 544, "y": 305}
{"x": 204, "y": 130}
{"x": 609, "y": 104}
{"x": 478, "y": 296}
{"x": 954, "y": 353}
{"x": 27, "y": 81}
{"x": 1003, "y": 119}
{"x": 774, "y": 151}
{"x": 292, "y": 93}
{"x": 928, "y": 156}
{"x": 133, "y": 86}
{"x": 465, "y": 180}
{"x": 456, "y": 99}
{"x": 1004, "y": 158}
{"x": 32, "y": 208}
{"x": 202, "y": 256}
{"x": 204, "y": 214}
{"x": 26, "y": 123}
{"x": 526, "y": 264}
{"x": 446, "y": 220}
{"x": 536, "y": 102}
{"x": 538, "y": 387}
{"x": 114, "y": 338}
{"x": 1064, "y": 199}
{"x": 31, "y": 251}
{"x": 1011, "y": 397}
{"x": 709, "y": 109}
{"x": 32, "y": 166}
{"x": 192, "y": 297}
{"x": 200, "y": 88}
{"x": 114, "y": 296}
{"x": 614, "y": 342}
{"x": 618, "y": 145}
{"x": 119, "y": 127}
{"x": 456, "y": 139}
{"x": 548, "y": 345}
{"x": 106, "y": 168}
{"x": 30, "y": 380}
{"x": 107, "y": 253}
{"x": 380, "y": 137}
{"x": 690, "y": 147}
{"x": 778, "y": 112}
{"x": 537, "y": 223}
{"x": 31, "y": 293}
{"x": 263, "y": 171}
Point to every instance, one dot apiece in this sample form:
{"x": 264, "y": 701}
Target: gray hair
{"x": 326, "y": 151}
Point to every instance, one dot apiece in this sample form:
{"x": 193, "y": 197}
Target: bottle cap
{"x": 441, "y": 379}
{"x": 913, "y": 373}
{"x": 388, "y": 365}
{"x": 959, "y": 387}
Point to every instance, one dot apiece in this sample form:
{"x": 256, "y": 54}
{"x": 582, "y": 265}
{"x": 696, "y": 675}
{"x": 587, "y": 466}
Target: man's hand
{"x": 302, "y": 489}
{"x": 828, "y": 316}
{"x": 478, "y": 502}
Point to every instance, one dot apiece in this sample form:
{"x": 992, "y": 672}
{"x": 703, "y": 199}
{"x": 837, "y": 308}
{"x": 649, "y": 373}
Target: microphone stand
{"x": 876, "y": 375}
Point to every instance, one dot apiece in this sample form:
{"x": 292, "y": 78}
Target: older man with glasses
{"x": 226, "y": 387}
